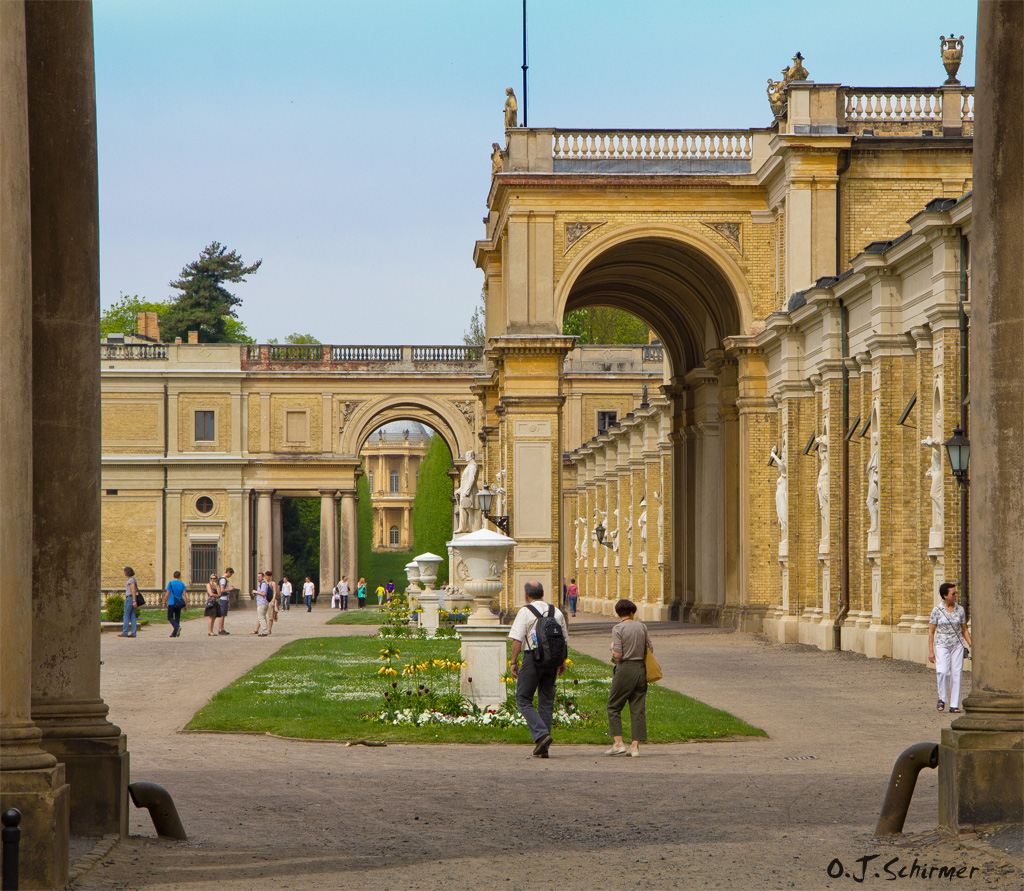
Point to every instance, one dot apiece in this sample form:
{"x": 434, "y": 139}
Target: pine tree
{"x": 204, "y": 304}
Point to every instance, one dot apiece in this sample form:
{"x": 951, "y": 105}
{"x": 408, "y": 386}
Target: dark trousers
{"x": 174, "y": 617}
{"x": 542, "y": 683}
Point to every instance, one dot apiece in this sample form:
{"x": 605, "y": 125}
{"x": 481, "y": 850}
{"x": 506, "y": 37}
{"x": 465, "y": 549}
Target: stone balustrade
{"x": 907, "y": 111}
{"x": 652, "y": 144}
{"x": 133, "y": 351}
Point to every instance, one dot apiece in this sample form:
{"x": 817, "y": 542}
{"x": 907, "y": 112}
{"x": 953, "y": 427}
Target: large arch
{"x": 694, "y": 296}
{"x": 445, "y": 418}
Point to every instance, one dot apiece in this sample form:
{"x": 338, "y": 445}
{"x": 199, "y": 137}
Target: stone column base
{"x": 485, "y": 655}
{"x": 744, "y": 618}
{"x": 44, "y": 799}
{"x": 97, "y": 770}
{"x": 981, "y": 777}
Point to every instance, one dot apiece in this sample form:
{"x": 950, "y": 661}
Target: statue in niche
{"x": 872, "y": 470}
{"x": 584, "y": 538}
{"x": 781, "y": 491}
{"x": 641, "y": 522}
{"x": 467, "y": 495}
{"x": 824, "y": 495}
{"x": 499, "y": 493}
{"x": 615, "y": 533}
{"x": 658, "y": 496}
{"x": 629, "y": 528}
{"x": 511, "y": 109}
{"x": 934, "y": 473}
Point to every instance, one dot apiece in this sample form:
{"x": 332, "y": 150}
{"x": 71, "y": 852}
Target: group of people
{"x": 343, "y": 590}
{"x": 537, "y": 673}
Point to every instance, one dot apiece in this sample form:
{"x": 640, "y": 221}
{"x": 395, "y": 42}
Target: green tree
{"x": 123, "y": 316}
{"x": 476, "y": 335}
{"x": 300, "y": 521}
{"x": 204, "y": 304}
{"x": 432, "y": 506}
{"x": 605, "y": 324}
{"x": 296, "y": 339}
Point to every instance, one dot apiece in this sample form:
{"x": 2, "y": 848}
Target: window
{"x": 204, "y": 504}
{"x": 369, "y": 479}
{"x": 605, "y": 419}
{"x": 204, "y": 561}
{"x": 394, "y": 537}
{"x": 394, "y": 482}
{"x": 204, "y": 426}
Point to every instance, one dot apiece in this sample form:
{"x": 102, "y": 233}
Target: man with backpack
{"x": 539, "y": 633}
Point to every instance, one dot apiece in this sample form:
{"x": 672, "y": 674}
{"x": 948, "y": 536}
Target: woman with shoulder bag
{"x": 212, "y": 611}
{"x": 132, "y": 601}
{"x": 948, "y": 639}
{"x": 629, "y": 646}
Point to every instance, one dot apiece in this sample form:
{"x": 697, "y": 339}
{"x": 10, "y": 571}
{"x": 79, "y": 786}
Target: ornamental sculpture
{"x": 952, "y": 55}
{"x": 781, "y": 492}
{"x": 777, "y": 88}
{"x": 511, "y": 109}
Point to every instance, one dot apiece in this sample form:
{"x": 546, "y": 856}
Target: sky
{"x": 346, "y": 143}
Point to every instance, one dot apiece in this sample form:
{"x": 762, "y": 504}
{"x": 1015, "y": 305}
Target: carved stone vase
{"x": 952, "y": 55}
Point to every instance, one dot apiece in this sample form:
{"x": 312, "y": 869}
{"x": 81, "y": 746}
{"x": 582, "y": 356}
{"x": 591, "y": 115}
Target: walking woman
{"x": 948, "y": 639}
{"x": 175, "y": 603}
{"x": 212, "y": 611}
{"x": 629, "y": 682}
{"x": 361, "y": 593}
{"x": 131, "y": 592}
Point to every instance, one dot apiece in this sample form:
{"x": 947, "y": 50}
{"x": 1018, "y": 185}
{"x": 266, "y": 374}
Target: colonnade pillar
{"x": 277, "y": 537}
{"x": 350, "y": 537}
{"x": 329, "y": 576}
{"x": 30, "y": 777}
{"x": 981, "y": 771}
{"x": 66, "y": 701}
{"x": 264, "y": 530}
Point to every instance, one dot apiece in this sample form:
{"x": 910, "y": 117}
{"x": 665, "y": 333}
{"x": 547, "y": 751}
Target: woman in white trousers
{"x": 948, "y": 639}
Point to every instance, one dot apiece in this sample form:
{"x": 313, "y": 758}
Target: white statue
{"x": 615, "y": 533}
{"x": 641, "y": 522}
{"x": 629, "y": 528}
{"x": 872, "y": 500}
{"x": 658, "y": 496}
{"x": 468, "y": 511}
{"x": 499, "y": 494}
{"x": 781, "y": 492}
{"x": 576, "y": 542}
{"x": 584, "y": 538}
{"x": 934, "y": 473}
{"x": 824, "y": 495}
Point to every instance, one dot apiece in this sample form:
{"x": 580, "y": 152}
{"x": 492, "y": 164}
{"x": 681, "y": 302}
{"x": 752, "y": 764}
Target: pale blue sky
{"x": 347, "y": 142}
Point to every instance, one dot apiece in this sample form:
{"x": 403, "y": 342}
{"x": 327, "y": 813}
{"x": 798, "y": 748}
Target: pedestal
{"x": 485, "y": 654}
{"x": 44, "y": 799}
{"x": 429, "y": 618}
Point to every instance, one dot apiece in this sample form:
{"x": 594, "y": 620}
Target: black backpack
{"x": 551, "y": 648}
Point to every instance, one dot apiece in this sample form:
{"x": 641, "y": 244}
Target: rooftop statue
{"x": 511, "y": 109}
{"x": 952, "y": 54}
{"x": 777, "y": 88}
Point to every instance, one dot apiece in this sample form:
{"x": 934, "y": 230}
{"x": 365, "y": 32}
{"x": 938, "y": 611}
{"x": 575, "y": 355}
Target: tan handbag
{"x": 651, "y": 664}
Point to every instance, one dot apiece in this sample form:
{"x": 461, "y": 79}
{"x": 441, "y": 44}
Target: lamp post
{"x": 958, "y": 451}
{"x": 485, "y": 498}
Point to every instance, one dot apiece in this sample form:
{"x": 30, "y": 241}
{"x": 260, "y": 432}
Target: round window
{"x": 204, "y": 504}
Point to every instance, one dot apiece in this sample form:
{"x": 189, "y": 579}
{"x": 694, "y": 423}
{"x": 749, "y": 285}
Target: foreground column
{"x": 350, "y": 538}
{"x": 981, "y": 758}
{"x": 328, "y": 543}
{"x": 30, "y": 778}
{"x": 66, "y": 702}
{"x": 277, "y": 548}
{"x": 264, "y": 532}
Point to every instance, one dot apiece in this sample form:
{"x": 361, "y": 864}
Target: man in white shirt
{"x": 286, "y": 593}
{"x": 343, "y": 591}
{"x": 530, "y": 678}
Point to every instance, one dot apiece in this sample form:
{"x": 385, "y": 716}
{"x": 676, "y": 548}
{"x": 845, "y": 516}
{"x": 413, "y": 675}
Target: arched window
{"x": 394, "y": 536}
{"x": 394, "y": 482}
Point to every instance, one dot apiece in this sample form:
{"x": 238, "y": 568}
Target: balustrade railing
{"x": 652, "y": 145}
{"x": 897, "y": 105}
{"x": 366, "y": 354}
{"x": 654, "y": 353}
{"x": 296, "y": 353}
{"x": 133, "y": 351}
{"x": 447, "y": 353}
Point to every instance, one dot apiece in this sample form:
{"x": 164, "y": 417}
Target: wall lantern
{"x": 958, "y": 450}
{"x": 599, "y": 534}
{"x": 485, "y": 498}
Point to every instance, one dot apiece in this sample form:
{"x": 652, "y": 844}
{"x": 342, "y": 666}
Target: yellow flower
{"x": 383, "y": 670}
{"x": 568, "y": 663}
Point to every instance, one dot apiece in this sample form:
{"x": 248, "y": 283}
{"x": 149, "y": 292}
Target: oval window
{"x": 204, "y": 504}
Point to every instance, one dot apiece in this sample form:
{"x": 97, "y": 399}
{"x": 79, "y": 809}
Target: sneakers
{"x": 223, "y": 632}
{"x": 543, "y": 744}
{"x": 634, "y": 753}
{"x": 618, "y": 749}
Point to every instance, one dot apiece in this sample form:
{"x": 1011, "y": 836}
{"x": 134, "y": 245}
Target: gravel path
{"x": 263, "y": 812}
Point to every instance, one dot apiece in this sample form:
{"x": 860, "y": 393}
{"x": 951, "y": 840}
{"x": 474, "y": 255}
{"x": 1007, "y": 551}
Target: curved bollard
{"x": 901, "y": 786}
{"x": 157, "y": 800}
{"x": 11, "y": 835}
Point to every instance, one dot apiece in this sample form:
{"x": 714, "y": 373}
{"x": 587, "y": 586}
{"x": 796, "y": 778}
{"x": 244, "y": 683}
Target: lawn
{"x": 368, "y": 616}
{"x": 330, "y": 688}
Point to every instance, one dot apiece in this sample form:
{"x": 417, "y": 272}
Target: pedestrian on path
{"x": 389, "y": 589}
{"x": 948, "y": 640}
{"x": 286, "y": 593}
{"x": 629, "y": 680}
{"x": 129, "y": 626}
{"x": 175, "y": 602}
{"x": 212, "y": 610}
{"x": 343, "y": 591}
{"x": 264, "y": 598}
{"x": 224, "y": 598}
{"x": 273, "y": 607}
{"x": 361, "y": 593}
{"x": 381, "y": 594}
{"x": 537, "y": 675}
{"x": 574, "y": 595}
{"x": 308, "y": 592}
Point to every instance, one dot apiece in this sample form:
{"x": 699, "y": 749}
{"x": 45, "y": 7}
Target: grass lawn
{"x": 321, "y": 688}
{"x": 368, "y": 616}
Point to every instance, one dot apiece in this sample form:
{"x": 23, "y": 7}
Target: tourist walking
{"x": 381, "y": 594}
{"x": 212, "y": 610}
{"x": 129, "y": 625}
{"x": 175, "y": 602}
{"x": 224, "y": 597}
{"x": 948, "y": 640}
{"x": 308, "y": 591}
{"x": 389, "y": 589}
{"x": 629, "y": 680}
{"x": 286, "y": 593}
{"x": 343, "y": 591}
{"x": 264, "y": 598}
{"x": 272, "y": 604}
{"x": 539, "y": 633}
{"x": 361, "y": 593}
{"x": 574, "y": 596}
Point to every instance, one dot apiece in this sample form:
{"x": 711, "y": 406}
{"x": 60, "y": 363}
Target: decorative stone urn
{"x": 483, "y": 556}
{"x": 427, "y": 566}
{"x": 952, "y": 55}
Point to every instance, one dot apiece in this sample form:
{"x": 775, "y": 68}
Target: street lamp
{"x": 599, "y": 534}
{"x": 485, "y": 498}
{"x": 958, "y": 450}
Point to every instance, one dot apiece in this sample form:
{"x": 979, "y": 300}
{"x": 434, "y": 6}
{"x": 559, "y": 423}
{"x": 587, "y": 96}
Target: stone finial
{"x": 796, "y": 71}
{"x": 511, "y": 109}
{"x": 952, "y": 56}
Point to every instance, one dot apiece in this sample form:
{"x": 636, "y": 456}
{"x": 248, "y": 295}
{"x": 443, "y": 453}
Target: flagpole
{"x": 525, "y": 66}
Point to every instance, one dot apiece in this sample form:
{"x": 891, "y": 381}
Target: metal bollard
{"x": 901, "y": 786}
{"x": 157, "y": 800}
{"x": 10, "y": 837}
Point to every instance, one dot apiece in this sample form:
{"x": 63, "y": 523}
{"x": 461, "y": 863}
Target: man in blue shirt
{"x": 175, "y": 602}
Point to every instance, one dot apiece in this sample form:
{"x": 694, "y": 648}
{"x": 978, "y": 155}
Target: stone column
{"x": 328, "y": 541}
{"x": 30, "y": 778}
{"x": 277, "y": 533}
{"x": 981, "y": 771}
{"x": 66, "y": 701}
{"x": 264, "y": 530}
{"x": 350, "y": 536}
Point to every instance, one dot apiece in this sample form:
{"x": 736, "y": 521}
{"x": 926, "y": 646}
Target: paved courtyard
{"x": 781, "y": 812}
